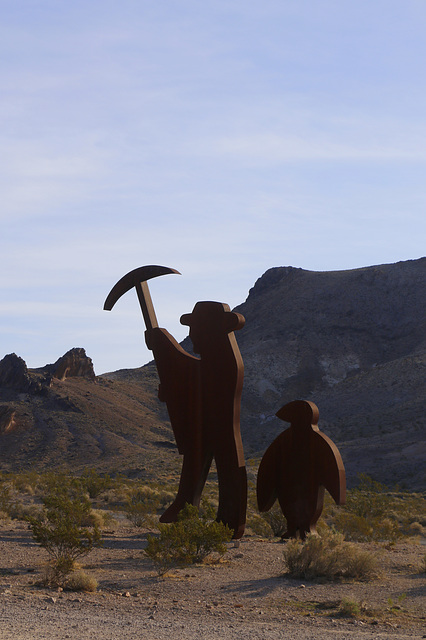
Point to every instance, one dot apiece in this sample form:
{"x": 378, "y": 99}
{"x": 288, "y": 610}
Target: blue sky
{"x": 218, "y": 138}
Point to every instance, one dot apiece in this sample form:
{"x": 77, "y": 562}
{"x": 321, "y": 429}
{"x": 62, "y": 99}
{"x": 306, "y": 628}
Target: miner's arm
{"x": 179, "y": 374}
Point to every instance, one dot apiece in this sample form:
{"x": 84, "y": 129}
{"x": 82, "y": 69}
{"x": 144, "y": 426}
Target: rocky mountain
{"x": 353, "y": 342}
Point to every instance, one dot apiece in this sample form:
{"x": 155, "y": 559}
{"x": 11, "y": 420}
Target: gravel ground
{"x": 246, "y": 593}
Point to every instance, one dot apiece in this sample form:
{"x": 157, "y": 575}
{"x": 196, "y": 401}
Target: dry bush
{"x": 6, "y": 498}
{"x": 189, "y": 540}
{"x": 258, "y": 525}
{"x": 76, "y": 580}
{"x": 374, "y": 512}
{"x": 142, "y": 505}
{"x": 95, "y": 483}
{"x": 349, "y": 608}
{"x": 100, "y": 519}
{"x": 328, "y": 556}
{"x": 276, "y": 520}
{"x": 80, "y": 581}
{"x": 416, "y": 529}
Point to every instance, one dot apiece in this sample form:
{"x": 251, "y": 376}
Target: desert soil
{"x": 246, "y": 594}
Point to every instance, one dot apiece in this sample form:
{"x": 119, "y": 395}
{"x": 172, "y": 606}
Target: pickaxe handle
{"x": 145, "y": 301}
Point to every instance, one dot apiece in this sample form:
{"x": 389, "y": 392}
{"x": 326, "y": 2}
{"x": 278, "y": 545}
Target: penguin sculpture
{"x": 297, "y": 467}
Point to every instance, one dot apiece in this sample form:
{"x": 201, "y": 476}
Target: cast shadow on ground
{"x": 136, "y": 541}
{"x": 259, "y": 588}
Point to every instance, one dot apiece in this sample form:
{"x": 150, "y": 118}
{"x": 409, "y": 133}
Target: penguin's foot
{"x": 288, "y": 534}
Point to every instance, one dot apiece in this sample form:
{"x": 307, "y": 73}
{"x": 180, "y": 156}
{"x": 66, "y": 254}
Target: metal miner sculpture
{"x": 202, "y": 396}
{"x": 297, "y": 467}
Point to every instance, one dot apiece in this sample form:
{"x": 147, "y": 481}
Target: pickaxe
{"x": 138, "y": 278}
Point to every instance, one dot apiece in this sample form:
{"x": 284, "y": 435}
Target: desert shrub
{"x": 6, "y": 499}
{"x": 100, "y": 519}
{"x": 360, "y": 529}
{"x": 276, "y": 520}
{"x": 258, "y": 525}
{"x": 116, "y": 497}
{"x": 416, "y": 529}
{"x": 21, "y": 511}
{"x": 141, "y": 505}
{"x": 75, "y": 580}
{"x": 188, "y": 541}
{"x": 80, "y": 581}
{"x": 328, "y": 556}
{"x": 10, "y": 505}
{"x": 395, "y": 606}
{"x": 350, "y": 608}
{"x": 372, "y": 512}
{"x": 26, "y": 482}
{"x": 95, "y": 483}
{"x": 60, "y": 530}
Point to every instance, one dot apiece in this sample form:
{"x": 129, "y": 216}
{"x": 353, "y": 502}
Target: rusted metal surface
{"x": 297, "y": 467}
{"x": 202, "y": 395}
{"x": 138, "y": 279}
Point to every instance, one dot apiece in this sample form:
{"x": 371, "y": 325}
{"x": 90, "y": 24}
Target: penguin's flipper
{"x": 266, "y": 488}
{"x": 268, "y": 476}
{"x": 329, "y": 467}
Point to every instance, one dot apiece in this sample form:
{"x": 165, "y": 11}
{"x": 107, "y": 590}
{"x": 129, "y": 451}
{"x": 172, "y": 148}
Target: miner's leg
{"x": 195, "y": 468}
{"x": 232, "y": 493}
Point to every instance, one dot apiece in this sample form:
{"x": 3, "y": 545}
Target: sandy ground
{"x": 246, "y": 593}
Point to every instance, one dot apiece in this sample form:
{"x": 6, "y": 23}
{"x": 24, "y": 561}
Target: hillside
{"x": 353, "y": 341}
{"x": 77, "y": 421}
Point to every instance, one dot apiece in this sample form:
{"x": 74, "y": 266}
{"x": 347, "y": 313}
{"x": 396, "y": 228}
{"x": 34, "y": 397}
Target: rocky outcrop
{"x": 7, "y": 419}
{"x": 75, "y": 363}
{"x": 14, "y": 373}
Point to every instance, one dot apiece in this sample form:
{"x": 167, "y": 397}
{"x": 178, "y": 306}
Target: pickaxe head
{"x": 138, "y": 279}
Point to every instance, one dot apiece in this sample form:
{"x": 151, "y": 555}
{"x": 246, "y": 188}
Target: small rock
{"x": 126, "y": 594}
{"x": 302, "y": 586}
{"x": 50, "y": 599}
